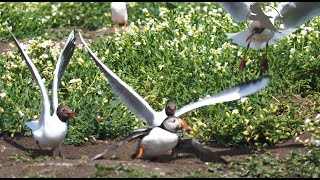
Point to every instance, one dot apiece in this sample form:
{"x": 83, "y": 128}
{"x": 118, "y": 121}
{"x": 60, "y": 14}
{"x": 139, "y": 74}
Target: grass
{"x": 181, "y": 54}
{"x": 120, "y": 170}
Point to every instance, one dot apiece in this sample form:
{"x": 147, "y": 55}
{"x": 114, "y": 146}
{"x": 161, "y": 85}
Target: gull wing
{"x": 239, "y": 38}
{"x": 296, "y": 13}
{"x": 128, "y": 96}
{"x": 133, "y": 135}
{"x": 255, "y": 8}
{"x": 192, "y": 146}
{"x": 36, "y": 76}
{"x": 61, "y": 65}
{"x": 231, "y": 94}
{"x": 238, "y": 10}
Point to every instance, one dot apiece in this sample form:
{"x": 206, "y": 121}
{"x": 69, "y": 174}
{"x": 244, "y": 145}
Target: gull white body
{"x": 293, "y": 14}
{"x": 51, "y": 133}
{"x": 152, "y": 118}
{"x": 158, "y": 142}
{"x": 119, "y": 13}
{"x": 49, "y": 129}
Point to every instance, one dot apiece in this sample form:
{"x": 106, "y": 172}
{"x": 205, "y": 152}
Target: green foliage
{"x": 37, "y": 18}
{"x": 39, "y": 175}
{"x": 180, "y": 54}
{"x": 266, "y": 166}
{"x": 120, "y": 170}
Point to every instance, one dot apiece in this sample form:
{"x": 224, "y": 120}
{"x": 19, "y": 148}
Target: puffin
{"x": 262, "y": 31}
{"x": 119, "y": 14}
{"x": 157, "y": 141}
{"x": 51, "y": 128}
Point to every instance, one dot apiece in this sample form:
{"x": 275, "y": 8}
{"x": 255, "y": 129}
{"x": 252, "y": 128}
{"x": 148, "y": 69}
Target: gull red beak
{"x": 249, "y": 37}
{"x": 71, "y": 115}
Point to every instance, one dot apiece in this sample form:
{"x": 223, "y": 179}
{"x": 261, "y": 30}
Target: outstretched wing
{"x": 36, "y": 76}
{"x": 255, "y": 8}
{"x": 133, "y": 135}
{"x": 61, "y": 65}
{"x": 231, "y": 94}
{"x": 192, "y": 146}
{"x": 128, "y": 96}
{"x": 295, "y": 14}
{"x": 238, "y": 10}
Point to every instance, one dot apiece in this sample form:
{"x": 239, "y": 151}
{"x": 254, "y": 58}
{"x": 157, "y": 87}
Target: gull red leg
{"x": 38, "y": 144}
{"x": 265, "y": 62}
{"x": 242, "y": 65}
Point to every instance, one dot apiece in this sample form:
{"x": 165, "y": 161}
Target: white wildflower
{"x": 235, "y": 111}
{"x": 145, "y": 10}
{"x": 161, "y": 48}
{"x": 296, "y": 139}
{"x": 45, "y": 56}
{"x": 3, "y": 94}
{"x": 74, "y": 80}
{"x": 292, "y": 50}
{"x": 21, "y": 114}
{"x": 307, "y": 121}
{"x": 160, "y": 66}
{"x": 184, "y": 37}
{"x": 244, "y": 99}
{"x": 205, "y": 9}
{"x": 303, "y": 32}
{"x": 308, "y": 28}
{"x": 137, "y": 43}
{"x": 43, "y": 80}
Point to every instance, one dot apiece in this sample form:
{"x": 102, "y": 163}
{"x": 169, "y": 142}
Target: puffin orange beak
{"x": 185, "y": 125}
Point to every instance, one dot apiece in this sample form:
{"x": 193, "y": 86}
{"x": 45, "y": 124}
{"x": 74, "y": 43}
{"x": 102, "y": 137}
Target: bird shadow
{"x": 32, "y": 152}
{"x": 253, "y": 150}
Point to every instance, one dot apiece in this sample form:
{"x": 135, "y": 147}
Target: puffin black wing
{"x": 192, "y": 146}
{"x": 133, "y": 135}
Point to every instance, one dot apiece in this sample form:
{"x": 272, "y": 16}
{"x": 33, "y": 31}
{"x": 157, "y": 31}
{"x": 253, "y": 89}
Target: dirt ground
{"x": 20, "y": 157}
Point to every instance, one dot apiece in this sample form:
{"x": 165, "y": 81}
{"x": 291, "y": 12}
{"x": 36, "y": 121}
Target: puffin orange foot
{"x": 140, "y": 153}
{"x": 114, "y": 27}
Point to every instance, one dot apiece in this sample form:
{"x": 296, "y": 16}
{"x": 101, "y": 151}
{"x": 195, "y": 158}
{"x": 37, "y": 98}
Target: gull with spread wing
{"x": 51, "y": 129}
{"x": 262, "y": 33}
{"x": 152, "y": 118}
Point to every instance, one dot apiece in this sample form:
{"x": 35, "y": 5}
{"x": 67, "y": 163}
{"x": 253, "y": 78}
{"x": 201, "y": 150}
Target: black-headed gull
{"x": 119, "y": 14}
{"x": 51, "y": 129}
{"x": 157, "y": 141}
{"x": 260, "y": 35}
{"x": 152, "y": 118}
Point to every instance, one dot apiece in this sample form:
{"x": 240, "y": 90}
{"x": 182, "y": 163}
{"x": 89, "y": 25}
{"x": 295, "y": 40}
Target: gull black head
{"x": 256, "y": 27}
{"x": 64, "y": 113}
{"x": 170, "y": 108}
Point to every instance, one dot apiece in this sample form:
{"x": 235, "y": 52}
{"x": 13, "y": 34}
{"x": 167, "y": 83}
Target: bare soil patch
{"x": 20, "y": 157}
